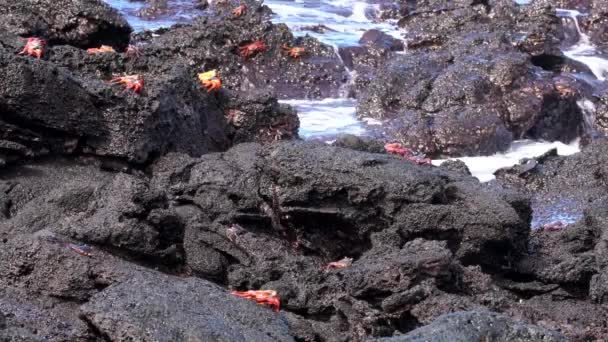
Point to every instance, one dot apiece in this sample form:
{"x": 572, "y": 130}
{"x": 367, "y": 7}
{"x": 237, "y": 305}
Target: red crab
{"x": 34, "y": 47}
{"x": 294, "y": 52}
{"x": 406, "y": 153}
{"x": 264, "y": 297}
{"x": 342, "y": 263}
{"x": 252, "y": 49}
{"x": 133, "y": 82}
{"x": 237, "y": 12}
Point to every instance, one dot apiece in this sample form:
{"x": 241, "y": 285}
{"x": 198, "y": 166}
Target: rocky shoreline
{"x": 132, "y": 217}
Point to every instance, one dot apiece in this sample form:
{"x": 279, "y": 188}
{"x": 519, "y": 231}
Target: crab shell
{"x": 237, "y": 12}
{"x": 133, "y": 82}
{"x": 294, "y": 52}
{"x": 264, "y": 297}
{"x": 252, "y": 49}
{"x": 33, "y": 47}
{"x": 101, "y": 49}
{"x": 212, "y": 84}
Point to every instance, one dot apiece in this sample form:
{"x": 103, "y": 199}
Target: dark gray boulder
{"x": 155, "y": 307}
{"x": 478, "y": 326}
{"x": 82, "y": 23}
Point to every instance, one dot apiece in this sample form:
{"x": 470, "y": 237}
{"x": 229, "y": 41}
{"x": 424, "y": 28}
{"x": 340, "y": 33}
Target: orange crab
{"x": 212, "y": 85}
{"x": 133, "y": 82}
{"x": 237, "y": 12}
{"x": 252, "y": 49}
{"x": 34, "y": 47}
{"x": 210, "y": 80}
{"x": 294, "y": 52}
{"x": 264, "y": 297}
{"x": 101, "y": 49}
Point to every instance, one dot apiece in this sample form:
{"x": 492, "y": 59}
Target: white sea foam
{"x": 484, "y": 167}
{"x": 584, "y": 51}
{"x": 327, "y": 117}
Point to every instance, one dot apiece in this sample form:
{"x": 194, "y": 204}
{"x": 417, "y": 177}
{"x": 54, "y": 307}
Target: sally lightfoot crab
{"x": 132, "y": 82}
{"x": 252, "y": 49}
{"x": 264, "y": 297}
{"x": 210, "y": 80}
{"x": 407, "y": 154}
{"x": 101, "y": 49}
{"x": 294, "y": 52}
{"x": 34, "y": 47}
{"x": 237, "y": 12}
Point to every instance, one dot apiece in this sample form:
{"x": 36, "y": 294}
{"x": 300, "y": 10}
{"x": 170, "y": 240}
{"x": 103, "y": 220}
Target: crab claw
{"x": 33, "y": 47}
{"x": 237, "y": 12}
{"x": 212, "y": 85}
{"x": 264, "y": 297}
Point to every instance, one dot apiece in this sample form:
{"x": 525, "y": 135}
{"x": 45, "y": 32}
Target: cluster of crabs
{"x": 210, "y": 80}
{"x": 35, "y": 47}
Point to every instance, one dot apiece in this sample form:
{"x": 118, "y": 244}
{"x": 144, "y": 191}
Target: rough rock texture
{"x": 48, "y": 109}
{"x": 214, "y": 42}
{"x": 82, "y": 23}
{"x": 173, "y": 309}
{"x": 425, "y": 241}
{"x": 477, "y": 76}
{"x": 120, "y": 220}
{"x": 477, "y": 326}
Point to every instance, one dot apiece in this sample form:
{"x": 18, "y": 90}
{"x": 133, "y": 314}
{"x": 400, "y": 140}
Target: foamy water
{"x": 347, "y": 20}
{"x": 327, "y": 118}
{"x": 185, "y": 12}
{"x": 483, "y": 168}
{"x": 584, "y": 51}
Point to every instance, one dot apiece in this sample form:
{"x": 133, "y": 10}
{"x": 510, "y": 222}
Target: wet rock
{"x": 505, "y": 86}
{"x": 49, "y": 110}
{"x": 457, "y": 166}
{"x": 380, "y": 40}
{"x": 359, "y": 143}
{"x": 260, "y": 118}
{"x": 597, "y": 23}
{"x": 214, "y": 43}
{"x": 477, "y": 325}
{"x": 82, "y": 23}
{"x": 171, "y": 308}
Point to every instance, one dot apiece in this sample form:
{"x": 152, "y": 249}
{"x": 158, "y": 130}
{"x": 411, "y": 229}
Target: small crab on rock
{"x": 294, "y": 52}
{"x": 132, "y": 82}
{"x": 237, "y": 12}
{"x": 34, "y": 47}
{"x": 210, "y": 80}
{"x": 407, "y": 154}
{"x": 250, "y": 50}
{"x": 101, "y": 49}
{"x": 340, "y": 264}
{"x": 264, "y": 297}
